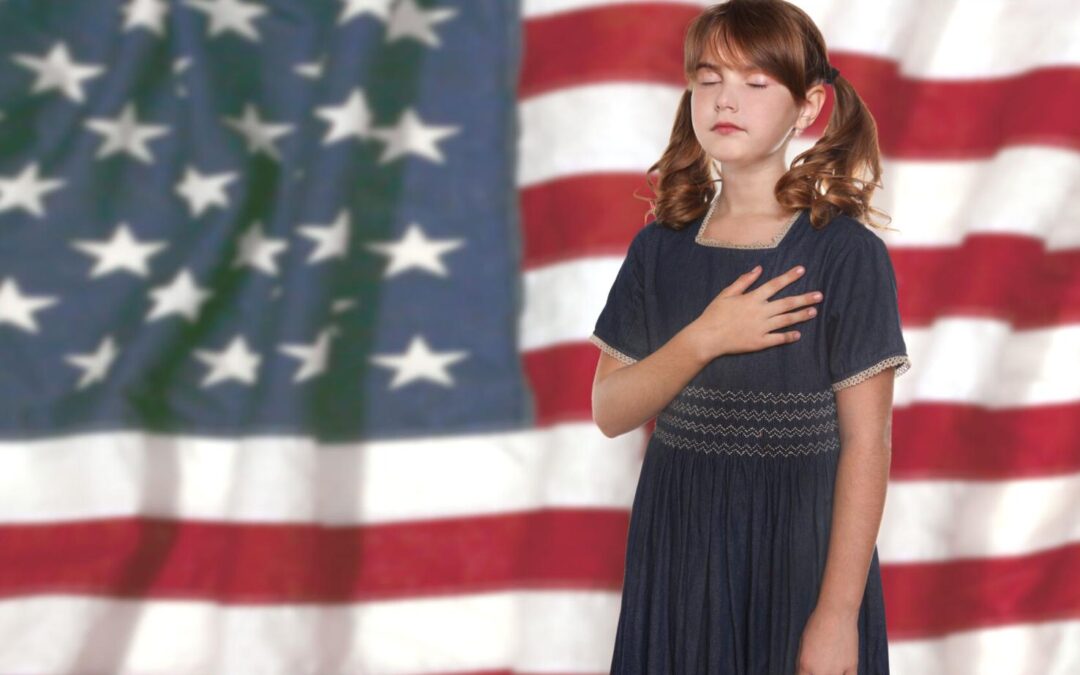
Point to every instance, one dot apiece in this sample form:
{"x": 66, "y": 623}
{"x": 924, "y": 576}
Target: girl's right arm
{"x": 625, "y": 396}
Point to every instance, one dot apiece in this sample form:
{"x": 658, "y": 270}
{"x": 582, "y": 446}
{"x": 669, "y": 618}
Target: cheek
{"x": 766, "y": 116}
{"x": 699, "y": 112}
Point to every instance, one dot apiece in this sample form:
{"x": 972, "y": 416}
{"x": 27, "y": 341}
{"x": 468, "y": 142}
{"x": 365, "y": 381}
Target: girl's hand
{"x": 736, "y": 322}
{"x": 829, "y": 644}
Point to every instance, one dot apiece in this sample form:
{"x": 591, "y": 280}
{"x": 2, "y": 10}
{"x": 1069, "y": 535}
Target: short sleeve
{"x": 863, "y": 329}
{"x": 620, "y": 330}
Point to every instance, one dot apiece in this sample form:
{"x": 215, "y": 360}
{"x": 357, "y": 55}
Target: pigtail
{"x": 841, "y": 171}
{"x": 682, "y": 178}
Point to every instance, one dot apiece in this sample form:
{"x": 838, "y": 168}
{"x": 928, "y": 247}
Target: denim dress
{"x": 729, "y": 528}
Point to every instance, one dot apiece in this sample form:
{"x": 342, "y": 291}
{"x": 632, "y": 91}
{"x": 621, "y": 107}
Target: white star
{"x": 312, "y": 70}
{"x": 57, "y": 71}
{"x": 182, "y": 297}
{"x": 204, "y": 190}
{"x": 410, "y": 135}
{"x": 122, "y": 252}
{"x": 125, "y": 134}
{"x": 408, "y": 20}
{"x": 148, "y": 14}
{"x": 231, "y": 15}
{"x": 313, "y": 357}
{"x": 414, "y": 249}
{"x": 258, "y": 250}
{"x": 26, "y": 191}
{"x": 353, "y": 8}
{"x": 343, "y": 305}
{"x": 95, "y": 365}
{"x": 259, "y": 135}
{"x": 180, "y": 64}
{"x": 418, "y": 362}
{"x": 235, "y": 362}
{"x": 18, "y": 309}
{"x": 351, "y": 118}
{"x": 332, "y": 241}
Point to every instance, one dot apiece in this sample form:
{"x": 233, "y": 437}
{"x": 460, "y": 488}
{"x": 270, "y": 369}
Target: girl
{"x": 752, "y": 538}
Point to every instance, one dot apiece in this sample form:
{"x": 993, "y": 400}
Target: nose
{"x": 723, "y": 97}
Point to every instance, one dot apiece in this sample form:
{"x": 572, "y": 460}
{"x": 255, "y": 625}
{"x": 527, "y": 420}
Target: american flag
{"x": 294, "y": 306}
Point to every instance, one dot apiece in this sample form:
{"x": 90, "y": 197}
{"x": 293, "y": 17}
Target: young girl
{"x": 757, "y": 321}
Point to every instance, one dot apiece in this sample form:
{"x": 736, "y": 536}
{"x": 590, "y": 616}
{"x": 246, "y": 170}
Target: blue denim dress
{"x": 729, "y": 528}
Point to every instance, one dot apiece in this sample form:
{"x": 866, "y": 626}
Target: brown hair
{"x": 782, "y": 40}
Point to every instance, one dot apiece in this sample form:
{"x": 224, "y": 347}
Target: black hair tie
{"x": 830, "y": 74}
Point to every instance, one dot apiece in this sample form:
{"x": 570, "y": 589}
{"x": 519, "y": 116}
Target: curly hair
{"x": 837, "y": 175}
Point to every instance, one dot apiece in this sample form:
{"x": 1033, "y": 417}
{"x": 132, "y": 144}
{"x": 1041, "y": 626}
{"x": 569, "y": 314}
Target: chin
{"x": 727, "y": 156}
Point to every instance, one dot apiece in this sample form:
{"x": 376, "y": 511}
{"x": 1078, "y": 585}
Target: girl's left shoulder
{"x": 844, "y": 233}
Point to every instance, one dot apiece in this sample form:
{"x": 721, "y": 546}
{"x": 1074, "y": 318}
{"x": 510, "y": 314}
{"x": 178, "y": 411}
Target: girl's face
{"x": 750, "y": 99}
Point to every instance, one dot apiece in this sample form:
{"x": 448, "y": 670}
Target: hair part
{"x": 838, "y": 174}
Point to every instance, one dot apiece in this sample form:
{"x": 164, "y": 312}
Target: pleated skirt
{"x": 724, "y": 561}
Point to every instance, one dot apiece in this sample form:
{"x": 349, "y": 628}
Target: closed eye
{"x": 755, "y": 86}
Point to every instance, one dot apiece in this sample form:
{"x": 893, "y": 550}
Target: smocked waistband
{"x": 750, "y": 423}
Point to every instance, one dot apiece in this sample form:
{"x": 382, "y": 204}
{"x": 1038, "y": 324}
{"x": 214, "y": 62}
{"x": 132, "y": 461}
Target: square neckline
{"x": 701, "y": 240}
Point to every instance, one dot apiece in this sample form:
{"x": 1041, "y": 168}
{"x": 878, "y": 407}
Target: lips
{"x": 726, "y": 125}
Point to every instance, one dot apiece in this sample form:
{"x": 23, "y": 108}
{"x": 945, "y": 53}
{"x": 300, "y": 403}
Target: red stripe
{"x": 598, "y": 215}
{"x": 272, "y": 563}
{"x": 955, "y": 441}
{"x": 937, "y": 119}
{"x": 560, "y": 379}
{"x": 574, "y": 217}
{"x": 599, "y": 44}
{"x": 275, "y": 564}
{"x": 930, "y": 440}
{"x": 929, "y": 599}
{"x": 1039, "y": 290}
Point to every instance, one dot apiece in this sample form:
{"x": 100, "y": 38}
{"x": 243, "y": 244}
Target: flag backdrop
{"x": 294, "y": 299}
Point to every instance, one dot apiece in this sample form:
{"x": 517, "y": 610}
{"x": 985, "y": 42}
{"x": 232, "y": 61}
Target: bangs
{"x": 743, "y": 40}
{"x": 721, "y": 51}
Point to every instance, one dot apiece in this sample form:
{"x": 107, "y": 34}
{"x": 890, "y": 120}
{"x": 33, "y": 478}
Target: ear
{"x": 815, "y": 101}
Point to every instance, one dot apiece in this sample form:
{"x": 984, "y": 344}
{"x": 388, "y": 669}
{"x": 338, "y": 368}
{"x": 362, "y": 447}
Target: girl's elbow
{"x": 603, "y": 425}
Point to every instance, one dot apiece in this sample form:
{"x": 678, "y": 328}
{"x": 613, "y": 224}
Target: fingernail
{"x": 817, "y": 296}
{"x": 800, "y": 269}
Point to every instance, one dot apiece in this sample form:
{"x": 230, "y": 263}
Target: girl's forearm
{"x": 632, "y": 395}
{"x": 861, "y": 483}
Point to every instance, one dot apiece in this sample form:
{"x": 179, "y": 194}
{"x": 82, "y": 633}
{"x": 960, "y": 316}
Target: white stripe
{"x": 290, "y": 480}
{"x": 570, "y": 465}
{"x": 929, "y": 521}
{"x": 594, "y": 129}
{"x": 934, "y": 40}
{"x": 970, "y": 361}
{"x": 624, "y": 127}
{"x": 523, "y": 631}
{"x": 561, "y": 301}
{"x": 530, "y": 631}
{"x": 1044, "y": 648}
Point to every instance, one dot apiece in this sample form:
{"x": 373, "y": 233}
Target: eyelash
{"x": 755, "y": 86}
